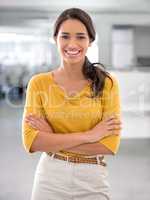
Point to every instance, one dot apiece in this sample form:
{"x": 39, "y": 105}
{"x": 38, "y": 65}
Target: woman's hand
{"x": 110, "y": 126}
{"x": 39, "y": 123}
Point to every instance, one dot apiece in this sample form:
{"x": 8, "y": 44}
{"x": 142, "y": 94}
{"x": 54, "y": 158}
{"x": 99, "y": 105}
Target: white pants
{"x": 61, "y": 180}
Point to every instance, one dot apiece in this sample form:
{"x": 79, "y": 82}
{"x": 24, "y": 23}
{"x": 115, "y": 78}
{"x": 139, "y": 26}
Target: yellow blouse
{"x": 68, "y": 114}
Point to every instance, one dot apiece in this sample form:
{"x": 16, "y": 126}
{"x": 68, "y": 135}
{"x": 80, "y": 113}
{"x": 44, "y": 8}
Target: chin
{"x": 74, "y": 60}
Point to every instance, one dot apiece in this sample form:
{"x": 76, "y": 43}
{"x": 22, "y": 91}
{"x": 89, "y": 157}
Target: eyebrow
{"x": 66, "y": 33}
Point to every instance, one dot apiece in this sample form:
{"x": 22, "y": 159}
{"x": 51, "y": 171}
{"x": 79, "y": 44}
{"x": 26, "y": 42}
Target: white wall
{"x": 135, "y": 103}
{"x": 104, "y": 23}
{"x": 142, "y": 41}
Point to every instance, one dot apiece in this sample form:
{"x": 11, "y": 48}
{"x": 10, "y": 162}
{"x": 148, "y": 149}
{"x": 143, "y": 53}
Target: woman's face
{"x": 72, "y": 41}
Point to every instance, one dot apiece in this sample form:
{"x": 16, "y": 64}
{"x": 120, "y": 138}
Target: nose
{"x": 72, "y": 43}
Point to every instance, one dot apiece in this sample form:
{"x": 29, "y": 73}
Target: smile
{"x": 72, "y": 53}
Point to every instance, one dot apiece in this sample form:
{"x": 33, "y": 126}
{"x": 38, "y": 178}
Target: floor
{"x": 129, "y": 171}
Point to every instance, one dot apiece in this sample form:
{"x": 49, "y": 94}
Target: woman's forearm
{"x": 90, "y": 149}
{"x": 46, "y": 142}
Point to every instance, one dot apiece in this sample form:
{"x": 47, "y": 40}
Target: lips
{"x": 72, "y": 53}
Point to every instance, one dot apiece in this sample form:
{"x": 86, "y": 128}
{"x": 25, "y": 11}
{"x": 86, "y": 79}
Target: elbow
{"x": 29, "y": 138}
{"x": 35, "y": 141}
{"x": 114, "y": 152}
{"x": 38, "y": 147}
{"x": 29, "y": 148}
{"x": 110, "y": 152}
{"x": 35, "y": 146}
{"x": 41, "y": 143}
{"x": 32, "y": 149}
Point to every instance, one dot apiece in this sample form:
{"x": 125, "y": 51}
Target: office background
{"x": 122, "y": 45}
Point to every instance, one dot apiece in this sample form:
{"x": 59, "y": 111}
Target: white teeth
{"x": 73, "y": 52}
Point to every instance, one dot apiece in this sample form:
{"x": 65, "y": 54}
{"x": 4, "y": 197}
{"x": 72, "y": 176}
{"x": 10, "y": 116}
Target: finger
{"x": 42, "y": 120}
{"x": 31, "y": 117}
{"x": 34, "y": 116}
{"x": 114, "y": 127}
{"x": 28, "y": 118}
{"x": 33, "y": 125}
{"x": 38, "y": 123}
{"x": 115, "y": 121}
{"x": 32, "y": 121}
{"x": 112, "y": 132}
{"x": 111, "y": 117}
{"x": 116, "y": 132}
{"x": 29, "y": 121}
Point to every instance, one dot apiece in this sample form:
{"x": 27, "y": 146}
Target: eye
{"x": 65, "y": 36}
{"x": 81, "y": 37}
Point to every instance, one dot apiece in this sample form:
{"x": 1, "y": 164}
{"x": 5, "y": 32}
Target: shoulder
{"x": 39, "y": 81}
{"x": 40, "y": 78}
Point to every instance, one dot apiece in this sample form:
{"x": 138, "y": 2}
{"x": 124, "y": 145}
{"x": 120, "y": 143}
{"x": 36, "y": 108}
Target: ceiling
{"x": 26, "y": 13}
{"x": 96, "y": 5}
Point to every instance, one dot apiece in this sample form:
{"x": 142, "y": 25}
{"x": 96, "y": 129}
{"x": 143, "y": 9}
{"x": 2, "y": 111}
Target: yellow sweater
{"x": 66, "y": 114}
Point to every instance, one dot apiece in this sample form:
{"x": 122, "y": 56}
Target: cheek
{"x": 86, "y": 46}
{"x": 60, "y": 43}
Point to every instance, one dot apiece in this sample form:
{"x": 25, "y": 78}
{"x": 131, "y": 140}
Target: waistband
{"x": 98, "y": 159}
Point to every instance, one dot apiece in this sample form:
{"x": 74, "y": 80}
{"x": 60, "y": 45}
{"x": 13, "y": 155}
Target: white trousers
{"x": 61, "y": 180}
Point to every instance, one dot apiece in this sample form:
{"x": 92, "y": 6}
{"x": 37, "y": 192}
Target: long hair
{"x": 94, "y": 71}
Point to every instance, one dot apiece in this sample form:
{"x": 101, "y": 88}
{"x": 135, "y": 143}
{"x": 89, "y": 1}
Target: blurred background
{"x": 122, "y": 45}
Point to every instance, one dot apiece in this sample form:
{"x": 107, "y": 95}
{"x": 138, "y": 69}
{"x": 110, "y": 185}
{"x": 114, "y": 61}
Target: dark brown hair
{"x": 93, "y": 71}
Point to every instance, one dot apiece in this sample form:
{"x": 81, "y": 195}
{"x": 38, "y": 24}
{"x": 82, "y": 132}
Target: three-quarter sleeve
{"x": 33, "y": 104}
{"x": 111, "y": 105}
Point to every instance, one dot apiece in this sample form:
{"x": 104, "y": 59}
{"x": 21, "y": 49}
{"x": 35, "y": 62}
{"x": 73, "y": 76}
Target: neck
{"x": 72, "y": 71}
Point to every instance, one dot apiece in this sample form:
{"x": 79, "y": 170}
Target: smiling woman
{"x": 74, "y": 132}
{"x": 73, "y": 45}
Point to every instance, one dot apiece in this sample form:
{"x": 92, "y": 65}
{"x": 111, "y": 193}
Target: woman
{"x": 72, "y": 115}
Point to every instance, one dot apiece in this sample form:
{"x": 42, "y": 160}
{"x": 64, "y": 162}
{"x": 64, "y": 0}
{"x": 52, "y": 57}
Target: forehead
{"x": 72, "y": 26}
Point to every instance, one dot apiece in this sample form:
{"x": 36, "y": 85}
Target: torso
{"x": 71, "y": 88}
